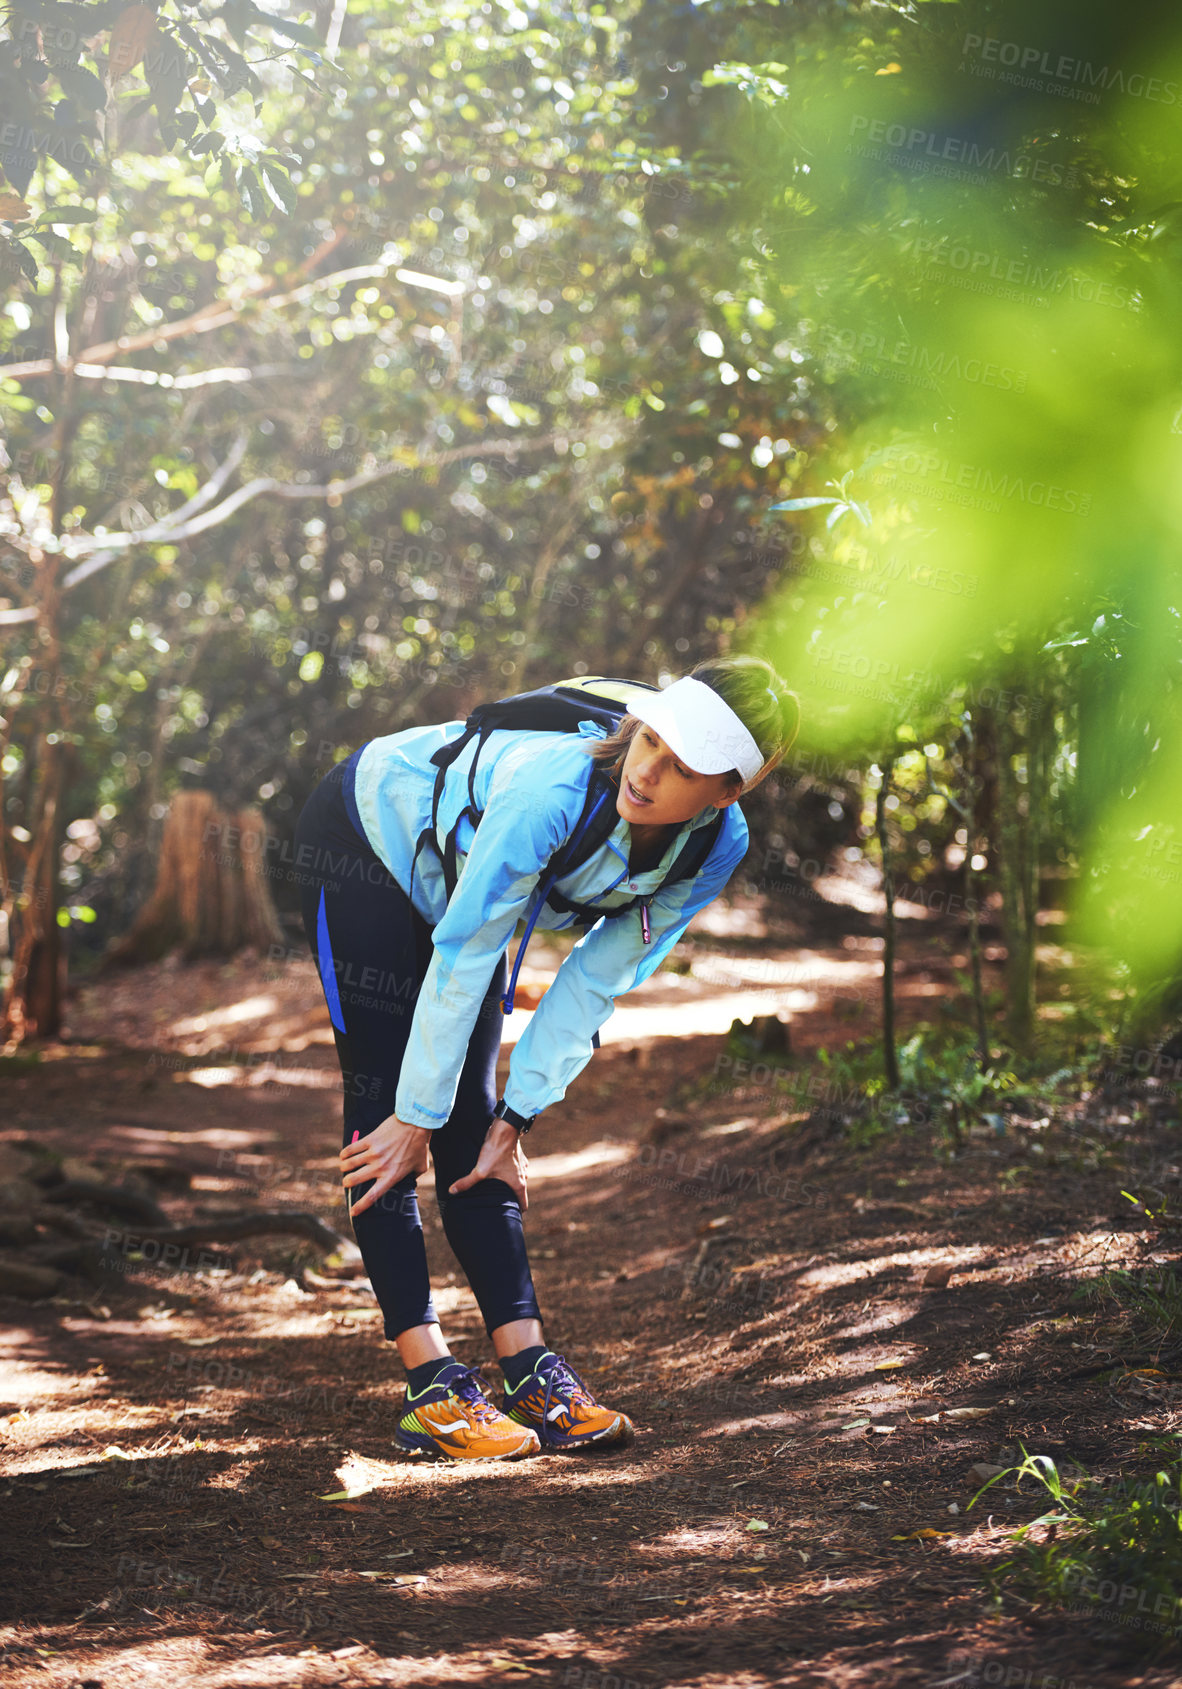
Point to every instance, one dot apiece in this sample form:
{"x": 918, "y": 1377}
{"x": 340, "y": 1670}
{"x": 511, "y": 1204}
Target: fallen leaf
{"x": 864, "y": 1507}
{"x": 757, "y": 1524}
{"x": 938, "y": 1274}
{"x": 343, "y": 1495}
{"x": 967, "y": 1412}
{"x": 927, "y": 1534}
{"x": 409, "y": 1578}
{"x": 883, "y": 1430}
{"x": 198, "y": 1342}
{"x": 888, "y": 1366}
{"x": 855, "y": 1424}
{"x": 271, "y": 1542}
{"x": 114, "y": 1452}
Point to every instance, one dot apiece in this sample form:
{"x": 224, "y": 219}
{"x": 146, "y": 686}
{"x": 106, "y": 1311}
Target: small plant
{"x": 1152, "y": 1300}
{"x": 1115, "y": 1552}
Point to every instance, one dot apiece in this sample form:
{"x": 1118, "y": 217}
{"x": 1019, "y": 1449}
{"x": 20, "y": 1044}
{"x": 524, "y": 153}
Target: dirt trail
{"x": 715, "y": 1253}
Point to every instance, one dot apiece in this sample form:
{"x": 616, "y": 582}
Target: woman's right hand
{"x": 389, "y": 1154}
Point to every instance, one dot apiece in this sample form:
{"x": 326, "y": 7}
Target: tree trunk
{"x": 1019, "y": 816}
{"x": 211, "y": 895}
{"x": 889, "y": 1055}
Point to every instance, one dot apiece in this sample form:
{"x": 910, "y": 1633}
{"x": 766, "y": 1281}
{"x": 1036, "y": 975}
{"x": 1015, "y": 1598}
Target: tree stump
{"x": 211, "y": 895}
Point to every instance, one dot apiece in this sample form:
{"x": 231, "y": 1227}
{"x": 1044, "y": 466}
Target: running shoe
{"x": 457, "y": 1419}
{"x": 555, "y": 1403}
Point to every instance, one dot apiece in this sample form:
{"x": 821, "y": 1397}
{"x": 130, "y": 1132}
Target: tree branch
{"x": 193, "y": 518}
{"x": 218, "y": 314}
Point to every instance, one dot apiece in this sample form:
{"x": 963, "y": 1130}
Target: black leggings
{"x": 373, "y": 948}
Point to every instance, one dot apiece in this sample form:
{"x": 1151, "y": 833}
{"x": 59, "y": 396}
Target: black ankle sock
{"x": 419, "y": 1377}
{"x": 517, "y": 1368}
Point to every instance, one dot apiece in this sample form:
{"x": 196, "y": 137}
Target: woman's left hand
{"x": 501, "y": 1157}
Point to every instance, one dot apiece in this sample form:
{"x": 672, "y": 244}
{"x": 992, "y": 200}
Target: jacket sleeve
{"x": 607, "y": 962}
{"x": 527, "y": 815}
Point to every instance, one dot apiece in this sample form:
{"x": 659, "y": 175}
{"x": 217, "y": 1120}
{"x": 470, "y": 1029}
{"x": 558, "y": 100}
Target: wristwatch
{"x": 523, "y": 1122}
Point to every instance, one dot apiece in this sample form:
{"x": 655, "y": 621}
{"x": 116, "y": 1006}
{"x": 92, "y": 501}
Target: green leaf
{"x": 56, "y": 245}
{"x": 805, "y": 503}
{"x": 280, "y": 188}
{"x": 294, "y": 31}
{"x": 212, "y": 141}
{"x": 66, "y": 214}
{"x": 168, "y": 68}
{"x": 26, "y": 260}
{"x": 251, "y": 195}
{"x": 83, "y": 86}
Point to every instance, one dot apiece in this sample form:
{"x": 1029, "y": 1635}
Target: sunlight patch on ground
{"x": 849, "y": 1272}
{"x": 266, "y": 1073}
{"x": 577, "y": 1161}
{"x": 250, "y": 1008}
{"x": 636, "y": 1022}
{"x": 854, "y": 1366}
{"x": 452, "y": 1298}
{"x": 147, "y": 1139}
{"x": 357, "y": 1476}
{"x": 728, "y": 1128}
{"x": 887, "y": 1314}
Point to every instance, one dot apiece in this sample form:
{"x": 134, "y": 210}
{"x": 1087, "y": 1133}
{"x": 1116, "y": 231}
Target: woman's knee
{"x": 487, "y": 1194}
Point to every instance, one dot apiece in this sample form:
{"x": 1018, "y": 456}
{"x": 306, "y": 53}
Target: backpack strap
{"x": 593, "y": 807}
{"x": 691, "y": 858}
{"x": 443, "y": 759}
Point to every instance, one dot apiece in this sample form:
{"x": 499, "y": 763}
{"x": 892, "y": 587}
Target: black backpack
{"x": 559, "y": 709}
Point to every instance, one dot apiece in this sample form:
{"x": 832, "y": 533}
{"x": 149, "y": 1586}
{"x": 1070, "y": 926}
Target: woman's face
{"x": 657, "y": 789}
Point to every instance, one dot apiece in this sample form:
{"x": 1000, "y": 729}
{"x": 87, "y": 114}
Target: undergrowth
{"x": 1113, "y": 1552}
{"x": 1151, "y": 1300}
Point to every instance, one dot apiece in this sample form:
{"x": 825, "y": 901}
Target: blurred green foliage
{"x": 969, "y": 214}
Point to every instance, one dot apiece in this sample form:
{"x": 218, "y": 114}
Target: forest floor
{"x": 720, "y": 1252}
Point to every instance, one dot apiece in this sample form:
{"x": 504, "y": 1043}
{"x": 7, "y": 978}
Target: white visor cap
{"x": 699, "y": 727}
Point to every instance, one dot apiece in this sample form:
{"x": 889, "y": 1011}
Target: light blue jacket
{"x": 530, "y": 788}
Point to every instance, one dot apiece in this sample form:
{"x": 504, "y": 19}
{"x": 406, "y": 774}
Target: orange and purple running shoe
{"x": 554, "y": 1403}
{"x": 456, "y": 1418}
